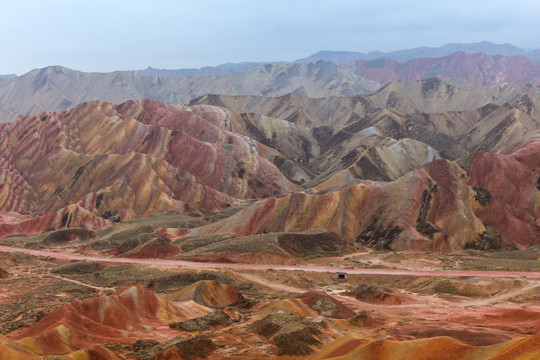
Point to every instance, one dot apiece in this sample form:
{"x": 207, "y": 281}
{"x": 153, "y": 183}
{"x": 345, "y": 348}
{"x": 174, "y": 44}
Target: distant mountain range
{"x": 342, "y": 57}
{"x": 486, "y": 47}
{"x": 58, "y": 88}
{"x": 458, "y": 67}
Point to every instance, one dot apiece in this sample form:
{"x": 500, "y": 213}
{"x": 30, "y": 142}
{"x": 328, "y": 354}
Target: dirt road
{"x": 188, "y": 264}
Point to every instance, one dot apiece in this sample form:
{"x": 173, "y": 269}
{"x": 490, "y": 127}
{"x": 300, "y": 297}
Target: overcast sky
{"x": 108, "y": 35}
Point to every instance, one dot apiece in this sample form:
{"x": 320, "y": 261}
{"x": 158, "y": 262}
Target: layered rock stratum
{"x": 99, "y": 163}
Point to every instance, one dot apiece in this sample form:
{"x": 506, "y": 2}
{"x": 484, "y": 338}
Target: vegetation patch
{"x": 292, "y": 335}
{"x": 445, "y": 287}
{"x": 79, "y": 267}
{"x": 482, "y": 196}
{"x": 216, "y": 318}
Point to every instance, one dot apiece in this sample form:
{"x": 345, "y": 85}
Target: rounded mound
{"x": 326, "y": 305}
{"x": 207, "y": 293}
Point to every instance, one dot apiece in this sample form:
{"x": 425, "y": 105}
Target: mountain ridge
{"x": 340, "y": 57}
{"x": 458, "y": 67}
{"x": 223, "y": 69}
{"x": 57, "y": 88}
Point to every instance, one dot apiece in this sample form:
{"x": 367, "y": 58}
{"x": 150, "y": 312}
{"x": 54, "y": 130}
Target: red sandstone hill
{"x": 444, "y": 348}
{"x": 512, "y": 185}
{"x": 123, "y": 317}
{"x": 207, "y": 293}
{"x": 428, "y": 209}
{"x": 459, "y": 68}
{"x": 99, "y": 161}
{"x": 488, "y": 201}
{"x": 136, "y": 323}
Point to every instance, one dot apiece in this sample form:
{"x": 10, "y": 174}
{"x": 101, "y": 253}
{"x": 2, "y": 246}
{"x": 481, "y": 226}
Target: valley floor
{"x": 395, "y": 296}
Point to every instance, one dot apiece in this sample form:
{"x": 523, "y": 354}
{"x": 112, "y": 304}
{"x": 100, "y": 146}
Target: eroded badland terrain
{"x": 130, "y": 310}
{"x": 401, "y": 223}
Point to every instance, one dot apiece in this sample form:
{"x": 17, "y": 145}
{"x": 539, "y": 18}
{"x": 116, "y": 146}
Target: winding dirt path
{"x": 188, "y": 264}
{"x": 101, "y": 289}
{"x": 501, "y": 297}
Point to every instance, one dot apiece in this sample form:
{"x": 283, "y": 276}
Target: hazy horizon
{"x": 102, "y": 36}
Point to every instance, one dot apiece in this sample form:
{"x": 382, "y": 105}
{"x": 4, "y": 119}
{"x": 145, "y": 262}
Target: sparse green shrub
{"x": 444, "y": 287}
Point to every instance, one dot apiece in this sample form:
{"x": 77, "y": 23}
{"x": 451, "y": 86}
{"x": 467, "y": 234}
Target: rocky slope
{"x": 509, "y": 187}
{"x": 432, "y": 171}
{"x": 384, "y": 135}
{"x": 429, "y": 209}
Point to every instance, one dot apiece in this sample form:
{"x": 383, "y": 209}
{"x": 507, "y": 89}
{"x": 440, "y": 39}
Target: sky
{"x": 103, "y": 36}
